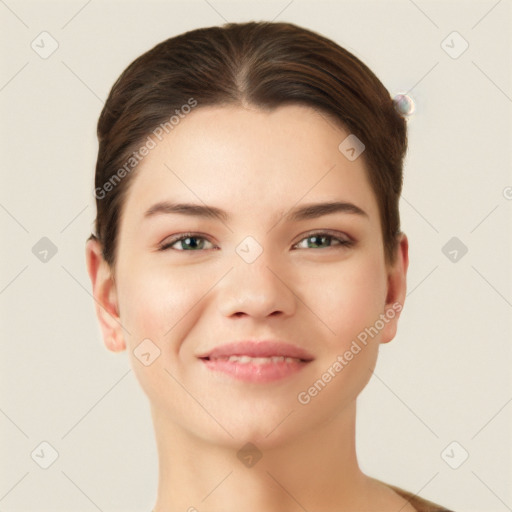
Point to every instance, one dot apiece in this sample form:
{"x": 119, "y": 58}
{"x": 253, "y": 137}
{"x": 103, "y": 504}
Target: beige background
{"x": 445, "y": 378}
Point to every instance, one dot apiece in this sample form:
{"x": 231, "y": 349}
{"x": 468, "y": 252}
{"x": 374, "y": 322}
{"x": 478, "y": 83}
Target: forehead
{"x": 251, "y": 162}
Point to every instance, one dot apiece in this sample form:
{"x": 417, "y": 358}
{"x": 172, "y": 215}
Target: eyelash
{"x": 342, "y": 242}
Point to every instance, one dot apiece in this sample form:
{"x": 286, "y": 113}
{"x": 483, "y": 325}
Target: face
{"x": 312, "y": 281}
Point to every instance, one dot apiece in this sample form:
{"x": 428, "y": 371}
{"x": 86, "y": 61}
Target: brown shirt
{"x": 420, "y": 504}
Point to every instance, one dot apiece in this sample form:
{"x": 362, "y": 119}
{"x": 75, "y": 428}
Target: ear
{"x": 397, "y": 285}
{"x": 105, "y": 296}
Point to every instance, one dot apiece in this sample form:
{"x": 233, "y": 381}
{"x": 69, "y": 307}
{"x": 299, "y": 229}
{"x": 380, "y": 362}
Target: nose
{"x": 259, "y": 289}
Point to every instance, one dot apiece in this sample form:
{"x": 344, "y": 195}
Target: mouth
{"x": 244, "y": 359}
{"x": 263, "y": 361}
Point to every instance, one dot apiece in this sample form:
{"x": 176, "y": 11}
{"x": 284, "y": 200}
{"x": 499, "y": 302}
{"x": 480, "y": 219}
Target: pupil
{"x": 193, "y": 244}
{"x": 316, "y": 239}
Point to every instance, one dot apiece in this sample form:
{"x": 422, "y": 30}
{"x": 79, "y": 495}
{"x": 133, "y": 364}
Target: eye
{"x": 192, "y": 242}
{"x": 322, "y": 237}
{"x": 188, "y": 241}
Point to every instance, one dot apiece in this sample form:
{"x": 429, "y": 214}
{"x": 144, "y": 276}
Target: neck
{"x": 316, "y": 470}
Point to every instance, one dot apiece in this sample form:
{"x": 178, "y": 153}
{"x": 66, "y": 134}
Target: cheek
{"x": 349, "y": 301}
{"x": 155, "y": 303}
{"x": 160, "y": 306}
{"x": 345, "y": 298}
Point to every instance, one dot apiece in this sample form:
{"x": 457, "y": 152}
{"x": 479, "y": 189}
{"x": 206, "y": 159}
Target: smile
{"x": 256, "y": 360}
{"x": 255, "y": 369}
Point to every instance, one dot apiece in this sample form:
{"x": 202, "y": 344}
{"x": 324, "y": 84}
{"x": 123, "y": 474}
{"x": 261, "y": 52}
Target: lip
{"x": 258, "y": 349}
{"x": 287, "y": 360}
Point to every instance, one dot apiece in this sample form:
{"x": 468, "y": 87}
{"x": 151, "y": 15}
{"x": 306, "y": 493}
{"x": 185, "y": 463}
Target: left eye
{"x": 191, "y": 242}
{"x": 320, "y": 238}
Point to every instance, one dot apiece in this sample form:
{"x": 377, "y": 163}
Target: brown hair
{"x": 262, "y": 64}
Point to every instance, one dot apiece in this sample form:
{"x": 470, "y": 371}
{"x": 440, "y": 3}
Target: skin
{"x": 256, "y": 165}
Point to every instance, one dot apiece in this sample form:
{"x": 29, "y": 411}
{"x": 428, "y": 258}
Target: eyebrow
{"x": 304, "y": 212}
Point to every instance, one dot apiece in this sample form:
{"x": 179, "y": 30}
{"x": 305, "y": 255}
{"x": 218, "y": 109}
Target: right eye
{"x": 190, "y": 242}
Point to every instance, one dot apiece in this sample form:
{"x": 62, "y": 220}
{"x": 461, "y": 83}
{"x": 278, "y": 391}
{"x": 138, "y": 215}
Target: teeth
{"x": 240, "y": 359}
{"x": 259, "y": 360}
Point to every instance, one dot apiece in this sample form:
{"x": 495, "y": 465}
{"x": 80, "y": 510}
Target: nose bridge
{"x": 257, "y": 285}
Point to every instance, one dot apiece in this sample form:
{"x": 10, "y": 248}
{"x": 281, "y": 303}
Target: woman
{"x": 248, "y": 253}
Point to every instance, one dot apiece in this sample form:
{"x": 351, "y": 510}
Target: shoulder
{"x": 420, "y": 504}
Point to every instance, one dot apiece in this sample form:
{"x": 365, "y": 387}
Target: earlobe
{"x": 105, "y": 296}
{"x": 397, "y": 287}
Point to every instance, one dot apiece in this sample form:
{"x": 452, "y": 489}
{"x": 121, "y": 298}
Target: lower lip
{"x": 252, "y": 372}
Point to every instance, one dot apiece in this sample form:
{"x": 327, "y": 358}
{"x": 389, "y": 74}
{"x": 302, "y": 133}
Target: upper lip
{"x": 266, "y": 348}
